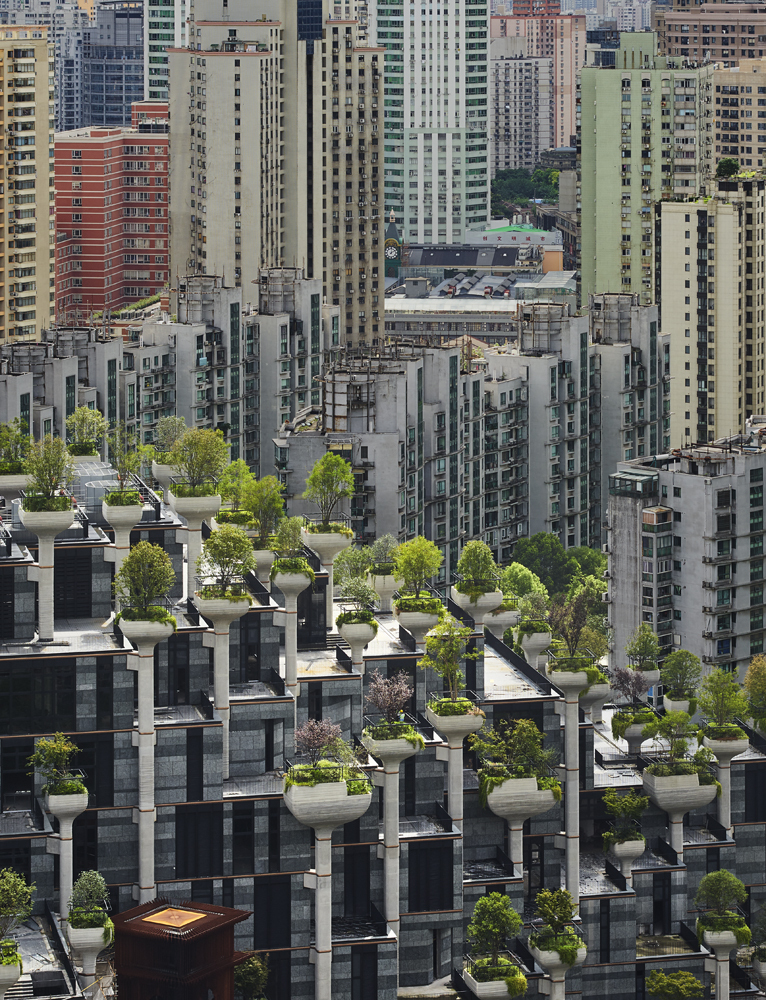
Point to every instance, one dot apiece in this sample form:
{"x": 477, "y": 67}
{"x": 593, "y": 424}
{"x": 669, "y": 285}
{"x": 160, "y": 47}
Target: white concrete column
{"x": 323, "y": 913}
{"x": 66, "y": 809}
{"x": 46, "y": 524}
{"x": 725, "y": 751}
{"x": 454, "y": 729}
{"x": 291, "y": 585}
{"x": 722, "y": 944}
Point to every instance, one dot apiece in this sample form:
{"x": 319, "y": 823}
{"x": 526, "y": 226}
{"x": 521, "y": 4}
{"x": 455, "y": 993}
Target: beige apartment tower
{"x": 26, "y": 183}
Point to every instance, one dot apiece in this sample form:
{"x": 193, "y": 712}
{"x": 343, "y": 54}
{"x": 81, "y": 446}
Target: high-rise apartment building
{"x": 165, "y": 26}
{"x": 715, "y": 32}
{"x": 26, "y": 182}
{"x": 436, "y": 118}
{"x": 111, "y": 218}
{"x": 740, "y": 112}
{"x": 249, "y": 189}
{"x": 113, "y": 64}
{"x": 644, "y": 134}
{"x": 559, "y": 38}
{"x": 521, "y": 106}
{"x": 712, "y": 253}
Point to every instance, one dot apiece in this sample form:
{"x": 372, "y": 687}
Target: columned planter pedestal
{"x": 384, "y": 587}
{"x": 323, "y": 807}
{"x": 724, "y": 751}
{"x": 392, "y": 753}
{"x": 677, "y": 795}
{"x": 194, "y": 510}
{"x": 515, "y": 801}
{"x": 123, "y": 520}
{"x": 479, "y": 608}
{"x": 9, "y": 976}
{"x": 88, "y": 943}
{"x": 533, "y": 645}
{"x": 454, "y": 729}
{"x": 291, "y": 585}
{"x": 46, "y": 524}
{"x": 163, "y": 474}
{"x": 551, "y": 964}
{"x": 571, "y": 683}
{"x": 264, "y": 559}
{"x": 145, "y": 635}
{"x": 222, "y": 612}
{"x": 358, "y": 635}
{"x": 626, "y": 853}
{"x": 721, "y": 943}
{"x": 66, "y": 809}
{"x": 498, "y": 622}
{"x": 417, "y": 623}
{"x": 592, "y": 701}
{"x": 327, "y": 544}
{"x": 634, "y": 737}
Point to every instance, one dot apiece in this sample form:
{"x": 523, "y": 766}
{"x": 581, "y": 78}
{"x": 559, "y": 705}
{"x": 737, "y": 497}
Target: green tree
{"x": 568, "y": 618}
{"x": 592, "y": 643}
{"x": 755, "y": 686}
{"x": 643, "y": 648}
{"x": 415, "y": 562}
{"x": 517, "y": 186}
{"x": 516, "y": 580}
{"x": 227, "y": 555}
{"x": 167, "y": 434}
{"x": 352, "y": 563}
{"x": 445, "y": 650}
{"x": 494, "y": 921}
{"x": 592, "y": 587}
{"x": 555, "y": 908}
{"x": 125, "y": 453}
{"x": 89, "y": 892}
{"x": 251, "y": 976}
{"x": 145, "y": 577}
{"x": 626, "y": 810}
{"x": 382, "y": 552}
{"x": 592, "y": 562}
{"x": 200, "y": 456}
{"x": 680, "y": 673}
{"x": 720, "y": 891}
{"x": 727, "y": 167}
{"x": 674, "y": 728}
{"x": 234, "y": 483}
{"x": 544, "y": 554}
{"x": 14, "y": 445}
{"x": 289, "y": 541}
{"x": 328, "y": 483}
{"x": 721, "y": 698}
{"x": 86, "y": 428}
{"x": 518, "y": 746}
{"x": 15, "y": 901}
{"x": 52, "y": 759}
{"x": 263, "y": 498}
{"x": 477, "y": 568}
{"x": 674, "y": 985}
{"x": 49, "y": 466}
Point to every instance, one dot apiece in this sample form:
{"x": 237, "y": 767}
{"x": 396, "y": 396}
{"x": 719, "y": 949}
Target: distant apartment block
{"x": 740, "y": 112}
{"x": 521, "y": 106}
{"x": 113, "y": 64}
{"x": 717, "y": 32}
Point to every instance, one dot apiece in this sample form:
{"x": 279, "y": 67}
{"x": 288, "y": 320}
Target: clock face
{"x": 391, "y": 253}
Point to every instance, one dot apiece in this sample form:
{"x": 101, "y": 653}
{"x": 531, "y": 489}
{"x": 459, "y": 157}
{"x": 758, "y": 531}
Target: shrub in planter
{"x": 234, "y": 483}
{"x": 568, "y": 616}
{"x": 415, "y": 562}
{"x": 630, "y": 717}
{"x": 517, "y": 579}
{"x": 388, "y": 696}
{"x": 357, "y": 596}
{"x": 680, "y": 674}
{"x": 199, "y": 456}
{"x": 167, "y": 434}
{"x": 15, "y": 902}
{"x": 382, "y": 553}
{"x": 330, "y": 481}
{"x": 630, "y": 683}
{"x": 242, "y": 518}
{"x": 445, "y": 650}
{"x": 289, "y": 544}
{"x": 674, "y": 733}
{"x": 494, "y": 920}
{"x": 351, "y": 564}
{"x": 87, "y": 905}
{"x": 721, "y": 700}
{"x": 579, "y": 664}
{"x": 263, "y": 499}
{"x": 674, "y": 985}
{"x": 52, "y": 759}
{"x": 143, "y": 583}
{"x": 227, "y": 557}
{"x": 86, "y": 428}
{"x": 643, "y": 648}
{"x": 556, "y": 909}
{"x": 331, "y": 759}
{"x": 513, "y": 750}
{"x": 719, "y": 891}
{"x": 126, "y": 455}
{"x": 14, "y": 446}
{"x": 51, "y": 473}
{"x": 626, "y": 810}
{"x": 251, "y": 976}
{"x": 478, "y": 571}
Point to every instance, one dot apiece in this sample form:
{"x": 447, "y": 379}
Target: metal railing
{"x": 443, "y": 817}
{"x": 400, "y": 726}
{"x": 303, "y": 772}
{"x": 58, "y": 944}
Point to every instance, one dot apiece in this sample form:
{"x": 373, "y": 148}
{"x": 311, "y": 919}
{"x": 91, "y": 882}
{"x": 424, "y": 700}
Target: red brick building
{"x": 111, "y": 214}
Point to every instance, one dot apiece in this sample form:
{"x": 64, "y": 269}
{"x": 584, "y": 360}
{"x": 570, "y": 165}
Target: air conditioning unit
{"x": 707, "y": 635}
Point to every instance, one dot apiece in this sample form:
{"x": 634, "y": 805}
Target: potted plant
{"x": 415, "y": 562}
{"x": 722, "y": 700}
{"x": 555, "y": 946}
{"x": 122, "y": 508}
{"x": 52, "y": 760}
{"x": 330, "y": 481}
{"x": 198, "y": 458}
{"x": 533, "y": 633}
{"x": 352, "y": 564}
{"x": 290, "y": 561}
{"x": 477, "y": 590}
{"x": 381, "y": 569}
{"x": 167, "y": 434}
{"x": 625, "y": 840}
{"x": 15, "y": 908}
{"x": 264, "y": 502}
{"x": 142, "y": 585}
{"x": 721, "y": 927}
{"x": 490, "y": 971}
{"x": 445, "y": 650}
{"x": 87, "y": 428}
{"x": 680, "y": 675}
{"x": 226, "y": 559}
{"x": 14, "y": 447}
{"x": 251, "y": 976}
{"x": 629, "y": 721}
{"x": 643, "y": 651}
{"x": 391, "y": 734}
{"x": 357, "y": 624}
{"x": 89, "y": 928}
{"x": 674, "y": 985}
{"x": 50, "y": 475}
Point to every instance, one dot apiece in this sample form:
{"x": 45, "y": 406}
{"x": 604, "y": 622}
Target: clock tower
{"x": 392, "y": 252}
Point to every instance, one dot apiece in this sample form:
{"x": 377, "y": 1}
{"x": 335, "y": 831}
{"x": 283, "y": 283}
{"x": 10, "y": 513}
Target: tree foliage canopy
{"x": 145, "y": 577}
{"x": 200, "y": 456}
{"x": 721, "y": 698}
{"x": 49, "y": 466}
{"x": 328, "y": 483}
{"x": 674, "y": 985}
{"x": 263, "y": 498}
{"x": 544, "y": 554}
{"x": 15, "y": 900}
{"x": 86, "y": 426}
{"x": 445, "y": 650}
{"x": 415, "y": 562}
{"x": 680, "y": 674}
{"x": 517, "y": 186}
{"x": 720, "y": 891}
{"x": 516, "y": 580}
{"x": 494, "y": 921}
{"x": 227, "y": 554}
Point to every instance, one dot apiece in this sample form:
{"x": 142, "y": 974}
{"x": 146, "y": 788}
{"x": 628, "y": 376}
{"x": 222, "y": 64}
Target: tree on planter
{"x": 227, "y": 555}
{"x": 87, "y": 902}
{"x": 674, "y": 728}
{"x": 167, "y": 434}
{"x": 517, "y": 580}
{"x": 643, "y": 648}
{"x": 15, "y": 901}
{"x": 200, "y": 456}
{"x": 144, "y": 581}
{"x": 568, "y": 617}
{"x": 630, "y": 683}
{"x": 415, "y": 562}
{"x": 720, "y": 891}
{"x": 359, "y": 594}
{"x": 592, "y": 589}
{"x": 328, "y": 483}
{"x": 14, "y": 445}
{"x": 445, "y": 649}
{"x": 50, "y": 470}
{"x": 86, "y": 427}
{"x": 314, "y": 737}
{"x": 126, "y": 455}
{"x": 263, "y": 498}
{"x": 251, "y": 976}
{"x": 234, "y": 482}
{"x": 755, "y": 686}
{"x": 680, "y": 674}
{"x": 52, "y": 759}
{"x": 513, "y": 750}
{"x": 674, "y": 985}
{"x": 555, "y": 908}
{"x": 544, "y": 554}
{"x": 494, "y": 920}
{"x": 382, "y": 553}
{"x": 389, "y": 695}
{"x": 722, "y": 700}
{"x": 626, "y": 810}
{"x": 477, "y": 569}
{"x": 351, "y": 564}
{"x": 727, "y": 167}
{"x": 592, "y": 642}
{"x": 289, "y": 546}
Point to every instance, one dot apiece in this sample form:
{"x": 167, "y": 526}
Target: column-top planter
{"x": 627, "y": 850}
{"x": 326, "y": 805}
{"x": 66, "y": 807}
{"x": 355, "y": 633}
{"x": 533, "y": 644}
{"x": 326, "y": 544}
{"x": 47, "y": 522}
{"x": 195, "y": 508}
{"x": 9, "y": 974}
{"x": 552, "y": 963}
{"x": 726, "y": 749}
{"x": 163, "y": 473}
{"x": 500, "y": 620}
{"x": 569, "y": 681}
{"x": 596, "y": 693}
{"x": 264, "y": 559}
{"x": 417, "y": 623}
{"x": 394, "y": 750}
{"x": 678, "y": 793}
{"x": 122, "y": 516}
{"x": 675, "y": 705}
{"x": 479, "y": 607}
{"x": 144, "y": 632}
{"x": 222, "y": 609}
{"x": 455, "y": 727}
{"x": 519, "y": 799}
{"x": 88, "y": 943}
{"x": 291, "y": 584}
{"x": 13, "y": 482}
{"x": 652, "y": 677}
{"x": 720, "y": 939}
